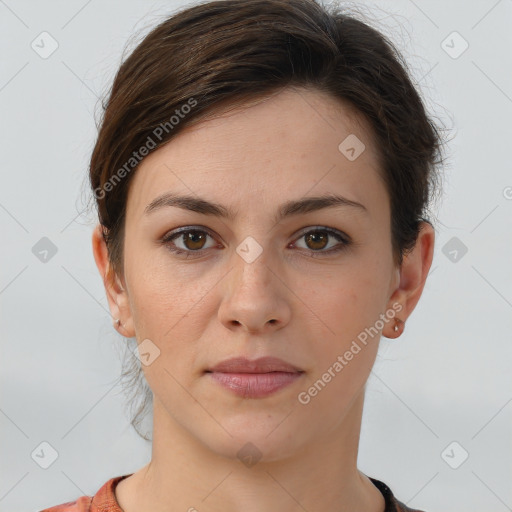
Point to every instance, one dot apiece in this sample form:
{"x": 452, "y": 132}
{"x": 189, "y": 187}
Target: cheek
{"x": 347, "y": 309}
{"x": 171, "y": 305}
{"x": 159, "y": 292}
{"x": 345, "y": 303}
{"x": 345, "y": 355}
{"x": 166, "y": 310}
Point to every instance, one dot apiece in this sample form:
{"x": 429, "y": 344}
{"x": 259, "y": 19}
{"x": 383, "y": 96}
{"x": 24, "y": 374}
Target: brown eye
{"x": 187, "y": 241}
{"x": 317, "y": 239}
{"x": 194, "y": 240}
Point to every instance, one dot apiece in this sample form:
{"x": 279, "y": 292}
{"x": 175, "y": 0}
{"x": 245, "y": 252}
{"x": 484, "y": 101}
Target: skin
{"x": 204, "y": 309}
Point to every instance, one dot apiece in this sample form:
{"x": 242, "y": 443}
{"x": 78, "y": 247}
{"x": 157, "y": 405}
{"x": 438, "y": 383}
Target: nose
{"x": 255, "y": 297}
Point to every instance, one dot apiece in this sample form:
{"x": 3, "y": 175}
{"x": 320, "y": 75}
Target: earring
{"x": 399, "y": 324}
{"x": 118, "y": 322}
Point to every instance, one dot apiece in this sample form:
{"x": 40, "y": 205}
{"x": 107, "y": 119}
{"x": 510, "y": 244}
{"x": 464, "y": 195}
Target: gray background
{"x": 447, "y": 379}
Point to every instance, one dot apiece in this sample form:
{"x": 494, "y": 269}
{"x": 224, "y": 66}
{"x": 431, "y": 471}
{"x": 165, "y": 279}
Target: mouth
{"x": 254, "y": 379}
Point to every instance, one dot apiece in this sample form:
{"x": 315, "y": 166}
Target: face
{"x": 313, "y": 286}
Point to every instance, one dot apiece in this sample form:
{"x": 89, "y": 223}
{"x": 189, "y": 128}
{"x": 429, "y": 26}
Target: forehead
{"x": 294, "y": 143}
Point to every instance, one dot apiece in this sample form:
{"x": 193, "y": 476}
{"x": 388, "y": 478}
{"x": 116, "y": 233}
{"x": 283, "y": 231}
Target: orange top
{"x": 105, "y": 500}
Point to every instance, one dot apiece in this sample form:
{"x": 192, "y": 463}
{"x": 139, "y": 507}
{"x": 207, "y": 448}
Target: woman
{"x": 262, "y": 174}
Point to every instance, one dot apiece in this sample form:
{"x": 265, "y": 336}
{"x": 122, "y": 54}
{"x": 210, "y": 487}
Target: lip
{"x": 260, "y": 365}
{"x": 254, "y": 379}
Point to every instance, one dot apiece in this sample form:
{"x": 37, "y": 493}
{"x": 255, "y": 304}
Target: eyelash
{"x": 168, "y": 239}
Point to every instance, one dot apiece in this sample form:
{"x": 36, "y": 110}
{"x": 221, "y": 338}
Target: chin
{"x": 257, "y": 437}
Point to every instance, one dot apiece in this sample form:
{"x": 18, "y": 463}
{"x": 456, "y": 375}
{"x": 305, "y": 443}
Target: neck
{"x": 321, "y": 475}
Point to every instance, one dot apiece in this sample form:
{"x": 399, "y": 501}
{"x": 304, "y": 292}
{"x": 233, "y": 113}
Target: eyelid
{"x": 173, "y": 234}
{"x": 334, "y": 231}
{"x": 185, "y": 229}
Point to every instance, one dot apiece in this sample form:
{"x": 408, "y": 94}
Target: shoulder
{"x": 392, "y": 503}
{"x": 103, "y": 501}
{"x": 82, "y": 504}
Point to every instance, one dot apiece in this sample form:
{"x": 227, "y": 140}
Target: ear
{"x": 117, "y": 295}
{"x": 412, "y": 276}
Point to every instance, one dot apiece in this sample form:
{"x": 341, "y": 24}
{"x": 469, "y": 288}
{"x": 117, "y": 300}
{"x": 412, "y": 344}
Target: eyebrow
{"x": 288, "y": 209}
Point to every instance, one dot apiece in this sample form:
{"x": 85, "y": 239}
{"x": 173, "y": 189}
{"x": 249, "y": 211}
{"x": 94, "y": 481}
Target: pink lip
{"x": 260, "y": 365}
{"x": 254, "y": 379}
